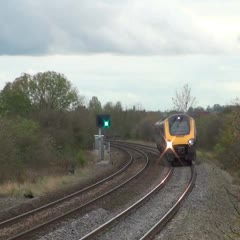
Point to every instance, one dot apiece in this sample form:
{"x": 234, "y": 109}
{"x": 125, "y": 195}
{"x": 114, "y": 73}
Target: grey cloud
{"x": 21, "y": 30}
{"x": 98, "y": 26}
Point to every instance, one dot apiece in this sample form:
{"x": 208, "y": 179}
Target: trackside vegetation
{"x": 47, "y": 127}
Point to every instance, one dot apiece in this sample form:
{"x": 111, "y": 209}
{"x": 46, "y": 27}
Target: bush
{"x": 227, "y": 148}
{"x": 28, "y": 193}
{"x": 23, "y": 148}
{"x": 80, "y": 158}
{"x": 208, "y": 130}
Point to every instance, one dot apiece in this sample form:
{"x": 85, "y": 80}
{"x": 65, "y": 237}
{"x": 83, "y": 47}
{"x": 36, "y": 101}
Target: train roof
{"x": 178, "y": 114}
{"x": 161, "y": 121}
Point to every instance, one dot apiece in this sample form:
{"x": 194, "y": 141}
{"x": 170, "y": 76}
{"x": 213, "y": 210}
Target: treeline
{"x": 45, "y": 125}
{"x": 219, "y": 132}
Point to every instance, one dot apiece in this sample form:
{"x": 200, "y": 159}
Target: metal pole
{"x": 99, "y": 143}
{"x": 109, "y": 149}
{"x": 101, "y": 146}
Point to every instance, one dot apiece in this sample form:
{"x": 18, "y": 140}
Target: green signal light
{"x": 106, "y": 124}
{"x": 103, "y": 120}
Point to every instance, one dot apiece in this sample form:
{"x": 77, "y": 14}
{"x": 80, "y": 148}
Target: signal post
{"x": 102, "y": 121}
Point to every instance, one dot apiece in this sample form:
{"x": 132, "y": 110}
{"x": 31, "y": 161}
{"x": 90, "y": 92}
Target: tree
{"x": 208, "y": 130}
{"x": 13, "y": 100}
{"x": 183, "y": 99}
{"x": 52, "y": 90}
{"x": 108, "y": 107}
{"x": 24, "y": 147}
{"x": 217, "y": 108}
{"x": 95, "y": 105}
{"x": 229, "y": 139}
{"x": 42, "y": 91}
{"x": 118, "y": 107}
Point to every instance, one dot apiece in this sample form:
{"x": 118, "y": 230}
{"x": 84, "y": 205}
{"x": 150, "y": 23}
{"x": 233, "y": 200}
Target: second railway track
{"x": 27, "y": 222}
{"x": 151, "y": 215}
{"x": 124, "y": 196}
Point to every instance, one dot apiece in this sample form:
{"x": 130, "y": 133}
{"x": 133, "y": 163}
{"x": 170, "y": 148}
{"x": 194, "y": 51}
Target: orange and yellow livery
{"x": 176, "y": 136}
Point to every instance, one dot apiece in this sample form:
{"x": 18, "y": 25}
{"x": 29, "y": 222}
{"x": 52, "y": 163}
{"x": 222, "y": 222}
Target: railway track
{"x": 25, "y": 225}
{"x": 117, "y": 227}
{"x": 158, "y": 226}
{"x": 13, "y": 220}
{"x": 112, "y": 229}
{"x": 152, "y": 173}
{"x": 103, "y": 197}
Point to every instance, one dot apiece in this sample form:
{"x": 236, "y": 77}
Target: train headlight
{"x": 169, "y": 145}
{"x": 191, "y": 142}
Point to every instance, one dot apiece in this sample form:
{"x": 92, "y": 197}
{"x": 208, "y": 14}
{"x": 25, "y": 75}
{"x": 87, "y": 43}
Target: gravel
{"x": 12, "y": 206}
{"x": 210, "y": 212}
{"x": 8, "y": 202}
{"x": 76, "y": 201}
{"x": 122, "y": 198}
{"x": 147, "y": 215}
{"x": 78, "y": 227}
{"x": 129, "y": 228}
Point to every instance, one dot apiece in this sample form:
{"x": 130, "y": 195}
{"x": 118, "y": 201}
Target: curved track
{"x": 19, "y": 220}
{"x": 159, "y": 224}
{"x": 172, "y": 211}
{"x": 130, "y": 174}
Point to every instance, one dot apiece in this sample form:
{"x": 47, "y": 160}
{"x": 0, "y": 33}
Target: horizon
{"x": 136, "y": 52}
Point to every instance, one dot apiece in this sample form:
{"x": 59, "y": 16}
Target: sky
{"x": 138, "y": 52}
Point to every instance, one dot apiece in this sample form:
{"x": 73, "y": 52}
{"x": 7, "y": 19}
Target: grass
{"x": 41, "y": 185}
{"x": 210, "y": 158}
{"x": 207, "y": 156}
{"x": 48, "y": 183}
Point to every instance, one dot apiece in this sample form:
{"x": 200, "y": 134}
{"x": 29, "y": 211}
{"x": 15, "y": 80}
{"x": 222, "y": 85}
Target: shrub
{"x": 23, "y": 147}
{"x": 208, "y": 130}
{"x": 227, "y": 148}
{"x": 80, "y": 158}
{"x": 28, "y": 193}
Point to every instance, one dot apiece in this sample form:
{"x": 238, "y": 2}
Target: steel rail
{"x": 152, "y": 149}
{"x": 127, "y": 211}
{"x": 170, "y": 214}
{"x": 25, "y": 233}
{"x": 13, "y": 220}
{"x": 161, "y": 223}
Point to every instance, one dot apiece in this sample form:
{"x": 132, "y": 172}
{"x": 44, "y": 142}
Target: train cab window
{"x": 179, "y": 126}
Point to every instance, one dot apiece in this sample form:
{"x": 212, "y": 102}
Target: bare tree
{"x": 183, "y": 99}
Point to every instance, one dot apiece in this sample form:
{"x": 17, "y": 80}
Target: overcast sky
{"x": 132, "y": 51}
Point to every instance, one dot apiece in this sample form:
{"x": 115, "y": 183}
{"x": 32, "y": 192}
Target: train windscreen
{"x": 179, "y": 125}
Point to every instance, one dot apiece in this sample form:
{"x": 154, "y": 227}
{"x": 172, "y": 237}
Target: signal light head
{"x": 103, "y": 120}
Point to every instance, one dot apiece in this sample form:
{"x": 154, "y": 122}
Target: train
{"x": 176, "y": 138}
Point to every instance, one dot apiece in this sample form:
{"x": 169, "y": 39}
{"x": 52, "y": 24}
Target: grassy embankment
{"x": 210, "y": 157}
{"x": 35, "y": 185}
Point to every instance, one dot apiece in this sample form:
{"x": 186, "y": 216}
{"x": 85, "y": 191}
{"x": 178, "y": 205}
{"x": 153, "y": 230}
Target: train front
{"x": 180, "y": 133}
